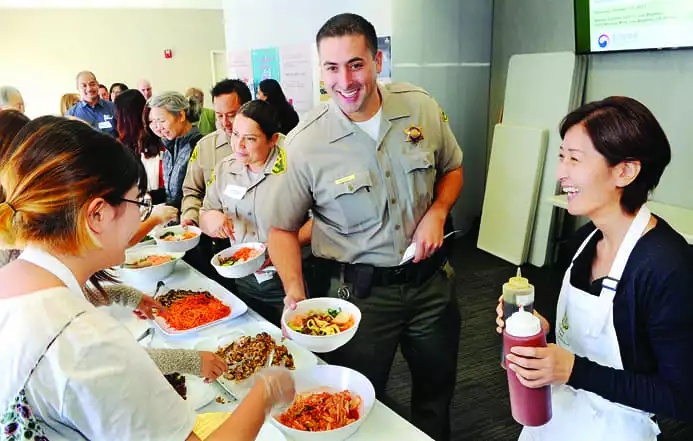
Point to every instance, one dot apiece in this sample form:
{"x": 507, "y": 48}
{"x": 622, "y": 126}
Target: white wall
{"x": 43, "y": 49}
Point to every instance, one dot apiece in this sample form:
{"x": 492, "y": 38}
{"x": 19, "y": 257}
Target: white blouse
{"x": 153, "y": 168}
{"x": 95, "y": 382}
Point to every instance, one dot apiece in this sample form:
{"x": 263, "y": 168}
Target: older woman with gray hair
{"x": 170, "y": 118}
{"x": 10, "y": 98}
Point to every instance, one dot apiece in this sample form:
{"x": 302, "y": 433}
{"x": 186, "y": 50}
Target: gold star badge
{"x": 414, "y": 134}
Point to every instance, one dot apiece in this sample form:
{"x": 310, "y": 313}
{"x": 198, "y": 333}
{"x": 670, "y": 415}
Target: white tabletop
{"x": 382, "y": 424}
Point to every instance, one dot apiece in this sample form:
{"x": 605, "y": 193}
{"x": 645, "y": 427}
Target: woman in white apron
{"x": 625, "y": 343}
{"x": 73, "y": 201}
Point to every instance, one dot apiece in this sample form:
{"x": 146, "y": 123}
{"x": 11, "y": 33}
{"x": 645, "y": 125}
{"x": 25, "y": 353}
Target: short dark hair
{"x": 101, "y": 86}
{"x": 120, "y": 86}
{"x": 349, "y": 24}
{"x": 230, "y": 86}
{"x": 623, "y": 129}
{"x": 264, "y": 114}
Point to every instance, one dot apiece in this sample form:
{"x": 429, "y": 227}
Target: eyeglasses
{"x": 145, "y": 206}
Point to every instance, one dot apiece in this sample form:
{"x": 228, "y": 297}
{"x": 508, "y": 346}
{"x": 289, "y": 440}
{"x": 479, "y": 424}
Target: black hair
{"x": 623, "y": 129}
{"x": 264, "y": 114}
{"x": 121, "y": 86}
{"x": 226, "y": 86}
{"x": 101, "y": 86}
{"x": 349, "y": 24}
{"x": 288, "y": 118}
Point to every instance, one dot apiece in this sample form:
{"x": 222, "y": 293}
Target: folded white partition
{"x": 541, "y": 89}
{"x": 512, "y": 186}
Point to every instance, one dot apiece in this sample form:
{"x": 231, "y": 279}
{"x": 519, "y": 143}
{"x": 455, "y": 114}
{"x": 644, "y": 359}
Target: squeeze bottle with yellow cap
{"x": 517, "y": 292}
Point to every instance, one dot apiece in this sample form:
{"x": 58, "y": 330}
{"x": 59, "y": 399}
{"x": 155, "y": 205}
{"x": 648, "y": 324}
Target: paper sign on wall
{"x": 265, "y": 65}
{"x": 239, "y": 65}
{"x": 385, "y": 46}
{"x": 297, "y": 75}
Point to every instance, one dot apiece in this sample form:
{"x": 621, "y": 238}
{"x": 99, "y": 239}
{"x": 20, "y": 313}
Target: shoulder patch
{"x": 443, "y": 116}
{"x": 194, "y": 155}
{"x": 280, "y": 163}
{"x": 211, "y": 178}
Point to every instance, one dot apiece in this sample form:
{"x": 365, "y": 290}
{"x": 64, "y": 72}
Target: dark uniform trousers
{"x": 423, "y": 317}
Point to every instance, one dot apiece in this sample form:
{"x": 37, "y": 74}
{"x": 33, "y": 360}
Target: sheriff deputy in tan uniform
{"x": 227, "y": 97}
{"x": 380, "y": 168}
{"x": 230, "y": 208}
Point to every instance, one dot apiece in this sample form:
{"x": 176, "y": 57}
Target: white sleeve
{"x": 115, "y": 391}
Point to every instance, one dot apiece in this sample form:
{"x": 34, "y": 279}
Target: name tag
{"x": 235, "y": 191}
{"x": 345, "y": 179}
{"x": 107, "y": 117}
{"x": 105, "y": 125}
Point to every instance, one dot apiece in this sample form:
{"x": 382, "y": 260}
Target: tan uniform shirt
{"x": 208, "y": 153}
{"x": 237, "y": 192}
{"x": 367, "y": 196}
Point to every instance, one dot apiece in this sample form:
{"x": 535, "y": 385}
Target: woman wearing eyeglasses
{"x": 73, "y": 370}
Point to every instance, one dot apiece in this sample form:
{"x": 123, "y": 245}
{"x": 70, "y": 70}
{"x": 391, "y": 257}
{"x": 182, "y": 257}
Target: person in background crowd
{"x": 116, "y": 89}
{"x": 70, "y": 372}
{"x": 256, "y": 161}
{"x": 103, "y": 93}
{"x": 623, "y": 325}
{"x": 10, "y": 98}
{"x": 67, "y": 101}
{"x": 169, "y": 117}
{"x": 269, "y": 90}
{"x": 11, "y": 122}
{"x": 98, "y": 113}
{"x": 145, "y": 87}
{"x": 130, "y": 107}
{"x": 371, "y": 197}
{"x": 207, "y": 122}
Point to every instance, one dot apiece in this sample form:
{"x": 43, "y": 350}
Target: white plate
{"x": 199, "y": 394}
{"x": 303, "y": 359}
{"x": 238, "y": 307}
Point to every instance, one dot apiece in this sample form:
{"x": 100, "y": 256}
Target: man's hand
{"x": 216, "y": 224}
{"x": 429, "y": 233}
{"x": 164, "y": 213}
{"x": 188, "y": 223}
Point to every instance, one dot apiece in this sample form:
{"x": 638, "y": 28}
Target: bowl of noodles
{"x": 322, "y": 324}
{"x": 331, "y": 403}
{"x": 147, "y": 264}
{"x": 177, "y": 239}
{"x": 239, "y": 260}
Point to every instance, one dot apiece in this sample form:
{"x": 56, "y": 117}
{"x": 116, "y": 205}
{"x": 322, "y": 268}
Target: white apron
{"x": 585, "y": 326}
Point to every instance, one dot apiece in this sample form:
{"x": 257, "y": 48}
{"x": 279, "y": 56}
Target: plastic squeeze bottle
{"x": 517, "y": 292}
{"x": 530, "y": 407}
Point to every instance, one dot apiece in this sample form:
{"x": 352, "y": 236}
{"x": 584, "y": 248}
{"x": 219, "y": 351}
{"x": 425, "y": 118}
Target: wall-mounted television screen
{"x": 631, "y": 25}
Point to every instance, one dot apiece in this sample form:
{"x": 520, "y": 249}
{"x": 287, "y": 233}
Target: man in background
{"x": 145, "y": 87}
{"x": 103, "y": 93}
{"x": 207, "y": 122}
{"x": 10, "y": 98}
{"x": 98, "y": 113}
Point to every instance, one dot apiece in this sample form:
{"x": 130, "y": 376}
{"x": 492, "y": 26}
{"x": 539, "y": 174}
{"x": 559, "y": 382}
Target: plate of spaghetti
{"x": 330, "y": 405}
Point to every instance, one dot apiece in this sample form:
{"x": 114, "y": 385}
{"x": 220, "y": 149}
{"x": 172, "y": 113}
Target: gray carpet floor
{"x": 480, "y": 409}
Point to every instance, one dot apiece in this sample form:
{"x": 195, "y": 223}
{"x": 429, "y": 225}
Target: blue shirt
{"x": 652, "y": 318}
{"x": 101, "y": 116}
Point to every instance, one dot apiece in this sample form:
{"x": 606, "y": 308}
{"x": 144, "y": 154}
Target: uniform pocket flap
{"x": 418, "y": 161}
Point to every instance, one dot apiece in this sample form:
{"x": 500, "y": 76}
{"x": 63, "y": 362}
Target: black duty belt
{"x": 408, "y": 274}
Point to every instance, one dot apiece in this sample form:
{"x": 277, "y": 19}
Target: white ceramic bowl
{"x": 331, "y": 379}
{"x": 322, "y": 343}
{"x": 177, "y": 246}
{"x": 150, "y": 274}
{"x": 243, "y": 269}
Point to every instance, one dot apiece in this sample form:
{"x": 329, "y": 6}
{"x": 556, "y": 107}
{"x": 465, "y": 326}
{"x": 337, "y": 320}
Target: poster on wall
{"x": 239, "y": 65}
{"x": 323, "y": 92}
{"x": 296, "y": 69}
{"x": 265, "y": 65}
{"x": 385, "y": 46}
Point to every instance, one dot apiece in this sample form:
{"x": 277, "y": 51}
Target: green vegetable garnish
{"x": 167, "y": 234}
{"x": 146, "y": 238}
{"x": 334, "y": 312}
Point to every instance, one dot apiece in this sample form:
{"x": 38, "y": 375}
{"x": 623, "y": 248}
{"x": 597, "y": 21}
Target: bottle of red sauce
{"x": 530, "y": 407}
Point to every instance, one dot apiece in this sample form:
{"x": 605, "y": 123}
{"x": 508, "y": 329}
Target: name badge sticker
{"x": 105, "y": 125}
{"x": 235, "y": 191}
